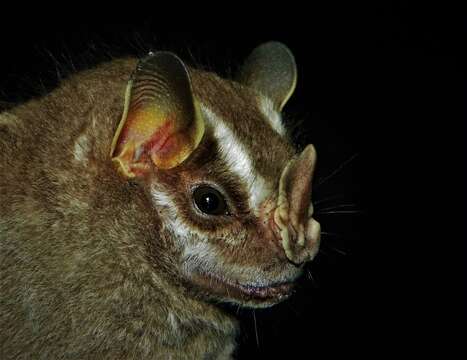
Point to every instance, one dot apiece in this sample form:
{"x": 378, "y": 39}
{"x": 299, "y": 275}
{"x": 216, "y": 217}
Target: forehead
{"x": 244, "y": 123}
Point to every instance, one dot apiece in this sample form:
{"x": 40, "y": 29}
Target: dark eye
{"x": 209, "y": 201}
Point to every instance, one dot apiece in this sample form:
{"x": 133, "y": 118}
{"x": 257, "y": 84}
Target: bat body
{"x": 137, "y": 196}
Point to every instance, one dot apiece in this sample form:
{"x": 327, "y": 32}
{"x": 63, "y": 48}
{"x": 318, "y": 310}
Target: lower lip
{"x": 275, "y": 292}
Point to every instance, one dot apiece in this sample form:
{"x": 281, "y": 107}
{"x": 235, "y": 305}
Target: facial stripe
{"x": 235, "y": 155}
{"x": 195, "y": 254}
{"x": 176, "y": 226}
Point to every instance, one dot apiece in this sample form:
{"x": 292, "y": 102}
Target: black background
{"x": 377, "y": 85}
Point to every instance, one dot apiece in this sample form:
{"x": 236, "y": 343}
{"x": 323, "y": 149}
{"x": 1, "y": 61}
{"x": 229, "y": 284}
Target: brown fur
{"x": 88, "y": 267}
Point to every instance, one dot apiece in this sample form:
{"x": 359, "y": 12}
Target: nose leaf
{"x": 299, "y": 232}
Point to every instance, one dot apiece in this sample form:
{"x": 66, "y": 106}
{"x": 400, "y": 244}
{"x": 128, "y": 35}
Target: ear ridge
{"x": 271, "y": 69}
{"x": 161, "y": 121}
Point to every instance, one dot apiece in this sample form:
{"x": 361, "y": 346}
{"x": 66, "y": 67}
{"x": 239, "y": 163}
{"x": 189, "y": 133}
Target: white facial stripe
{"x": 199, "y": 250}
{"x": 259, "y": 191}
{"x": 274, "y": 117}
{"x": 236, "y": 157}
{"x": 176, "y": 226}
{"x": 197, "y": 254}
{"x": 232, "y": 151}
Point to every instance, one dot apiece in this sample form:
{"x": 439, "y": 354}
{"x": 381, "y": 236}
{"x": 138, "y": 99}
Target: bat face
{"x": 221, "y": 217}
{"x": 237, "y": 207}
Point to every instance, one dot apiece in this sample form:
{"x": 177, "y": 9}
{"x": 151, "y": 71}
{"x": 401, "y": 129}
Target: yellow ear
{"x": 161, "y": 123}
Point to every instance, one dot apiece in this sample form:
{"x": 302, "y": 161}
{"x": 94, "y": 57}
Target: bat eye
{"x": 209, "y": 201}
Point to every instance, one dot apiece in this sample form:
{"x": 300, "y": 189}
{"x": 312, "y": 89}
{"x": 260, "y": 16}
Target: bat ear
{"x": 271, "y": 70}
{"x": 161, "y": 123}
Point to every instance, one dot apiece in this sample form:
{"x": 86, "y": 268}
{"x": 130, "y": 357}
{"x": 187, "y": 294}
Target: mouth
{"x": 246, "y": 294}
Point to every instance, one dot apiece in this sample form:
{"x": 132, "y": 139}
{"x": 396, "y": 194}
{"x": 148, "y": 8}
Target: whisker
{"x": 296, "y": 313}
{"x": 330, "y": 234}
{"x": 329, "y": 198}
{"x": 334, "y": 249}
{"x": 336, "y": 171}
{"x": 340, "y": 212}
{"x": 339, "y": 251}
{"x": 293, "y": 311}
{"x": 256, "y": 329}
{"x": 310, "y": 276}
{"x": 338, "y": 207}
